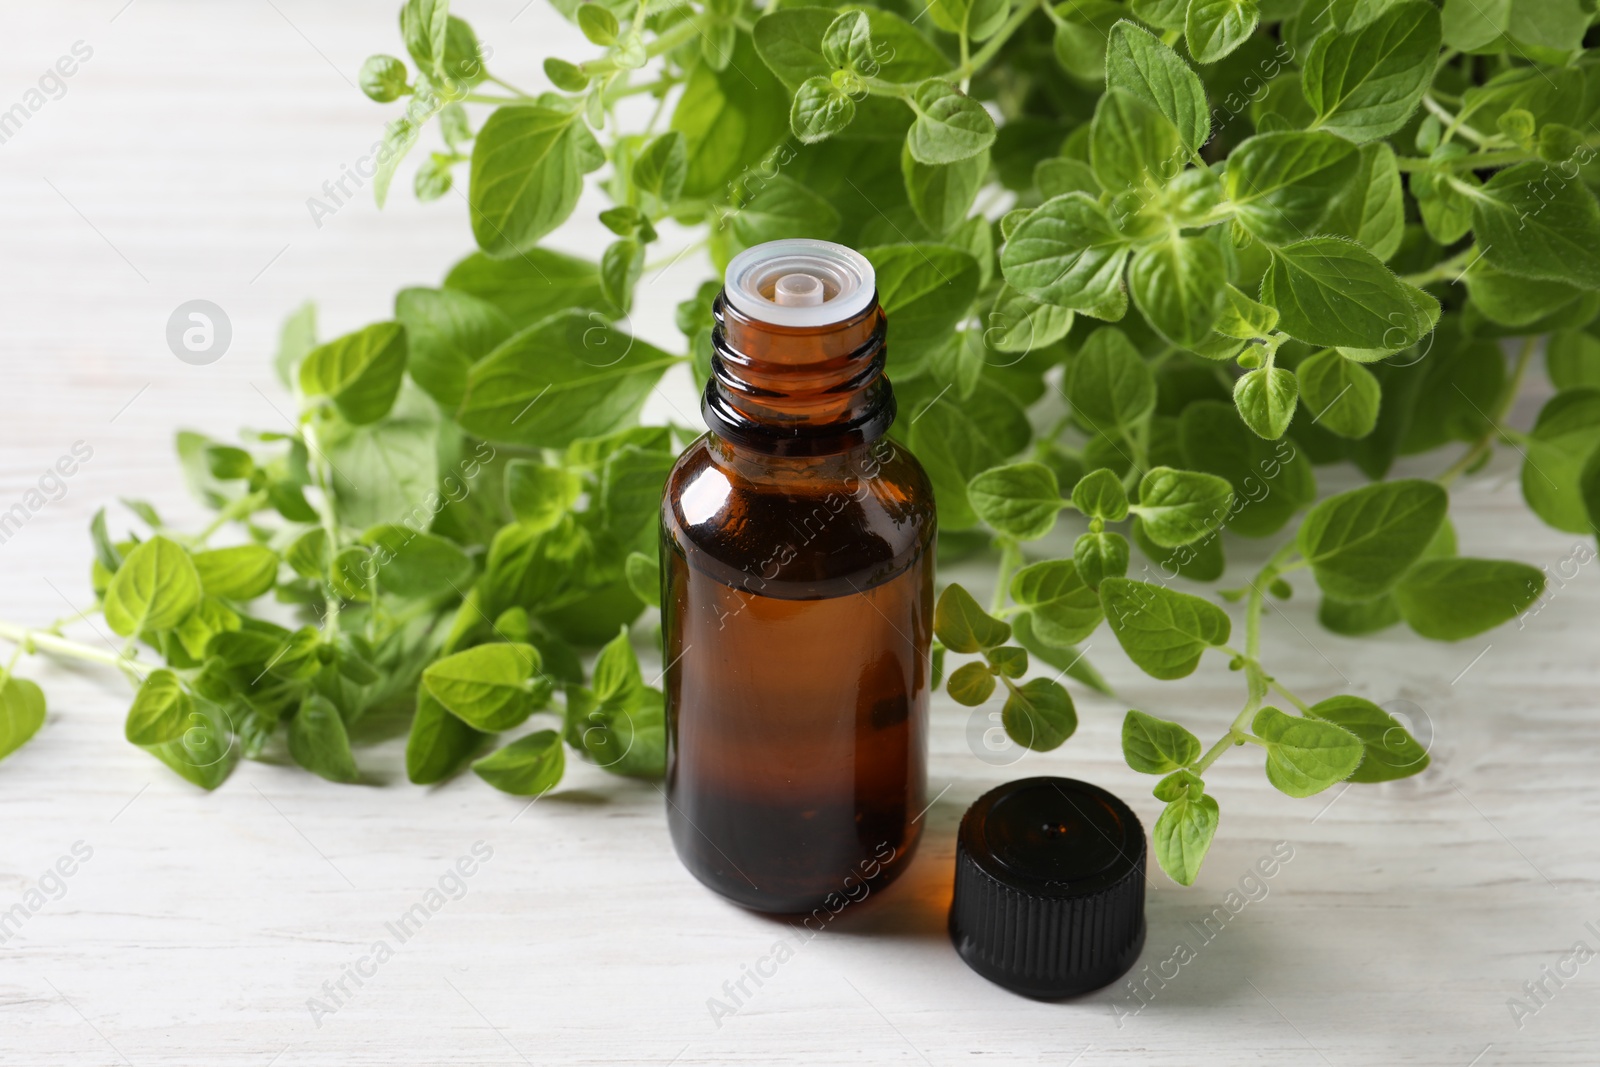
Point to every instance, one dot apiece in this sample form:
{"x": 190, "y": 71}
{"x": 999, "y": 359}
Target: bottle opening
{"x": 800, "y": 283}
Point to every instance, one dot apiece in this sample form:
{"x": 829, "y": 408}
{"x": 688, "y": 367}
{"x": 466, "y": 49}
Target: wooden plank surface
{"x": 175, "y": 165}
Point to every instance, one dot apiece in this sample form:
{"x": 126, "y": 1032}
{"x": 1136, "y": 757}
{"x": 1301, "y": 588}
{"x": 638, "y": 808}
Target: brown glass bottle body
{"x": 797, "y": 601}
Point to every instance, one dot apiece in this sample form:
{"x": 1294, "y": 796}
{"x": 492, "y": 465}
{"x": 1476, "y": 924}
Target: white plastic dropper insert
{"x": 800, "y": 282}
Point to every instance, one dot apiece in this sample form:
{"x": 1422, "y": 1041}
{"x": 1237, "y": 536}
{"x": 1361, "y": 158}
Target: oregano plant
{"x": 1149, "y": 267}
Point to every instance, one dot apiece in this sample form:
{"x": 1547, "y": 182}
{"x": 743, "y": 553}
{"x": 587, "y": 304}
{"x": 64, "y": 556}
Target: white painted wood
{"x": 177, "y": 166}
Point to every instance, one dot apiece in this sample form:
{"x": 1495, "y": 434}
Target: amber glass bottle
{"x": 797, "y": 596}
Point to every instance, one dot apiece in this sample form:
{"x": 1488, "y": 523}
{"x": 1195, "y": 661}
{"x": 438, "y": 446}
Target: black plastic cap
{"x": 1049, "y": 896}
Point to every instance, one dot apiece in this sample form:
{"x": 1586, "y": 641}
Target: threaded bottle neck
{"x": 798, "y": 391}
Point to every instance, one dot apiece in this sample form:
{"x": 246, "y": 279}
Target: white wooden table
{"x": 176, "y": 166}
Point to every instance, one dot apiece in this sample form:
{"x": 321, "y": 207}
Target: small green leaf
{"x": 1305, "y": 756}
{"x": 1177, "y": 284}
{"x": 1182, "y": 835}
{"x": 950, "y": 126}
{"x": 446, "y": 333}
{"x": 1214, "y": 28}
{"x": 1266, "y": 399}
{"x": 1364, "y": 83}
{"x": 21, "y": 712}
{"x": 242, "y": 572}
{"x": 847, "y": 44}
{"x": 962, "y": 626}
{"x": 661, "y": 167}
{"x": 569, "y": 376}
{"x": 360, "y": 372}
{"x": 487, "y": 687}
{"x": 1177, "y": 785}
{"x": 1390, "y": 752}
{"x": 383, "y": 78}
{"x": 410, "y": 563}
{"x": 941, "y": 195}
{"x": 206, "y": 753}
{"x": 820, "y": 110}
{"x": 1039, "y": 715}
{"x": 1342, "y": 396}
{"x": 1008, "y": 660}
{"x": 160, "y": 711}
{"x": 598, "y": 24}
{"x": 1180, "y": 507}
{"x": 1371, "y": 207}
{"x": 643, "y": 574}
{"x": 1359, "y": 543}
{"x": 616, "y": 671}
{"x": 1163, "y": 631}
{"x": 1020, "y": 500}
{"x": 539, "y": 495}
{"x": 621, "y": 264}
{"x": 1243, "y": 318}
{"x": 1138, "y": 63}
{"x": 1156, "y": 746}
{"x": 1452, "y": 599}
{"x": 425, "y": 27}
{"x": 781, "y": 208}
{"x": 528, "y": 164}
{"x": 528, "y": 767}
{"x": 971, "y": 684}
{"x": 1132, "y": 145}
{"x": 439, "y": 743}
{"x": 1019, "y": 323}
{"x": 1067, "y": 252}
{"x": 1109, "y": 385}
{"x": 1333, "y": 293}
{"x": 1532, "y": 220}
{"x": 319, "y": 743}
{"x": 1099, "y": 495}
{"x": 1100, "y": 556}
{"x": 1281, "y": 184}
{"x": 154, "y": 589}
{"x": 1061, "y": 607}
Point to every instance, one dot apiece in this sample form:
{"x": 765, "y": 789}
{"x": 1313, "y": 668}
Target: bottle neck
{"x": 790, "y": 391}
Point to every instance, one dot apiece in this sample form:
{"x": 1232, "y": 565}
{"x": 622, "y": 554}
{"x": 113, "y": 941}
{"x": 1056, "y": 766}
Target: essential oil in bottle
{"x": 797, "y": 596}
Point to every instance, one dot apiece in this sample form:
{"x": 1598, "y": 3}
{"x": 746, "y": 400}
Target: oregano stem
{"x": 1010, "y": 560}
{"x": 45, "y": 641}
{"x": 991, "y": 48}
{"x": 1502, "y": 407}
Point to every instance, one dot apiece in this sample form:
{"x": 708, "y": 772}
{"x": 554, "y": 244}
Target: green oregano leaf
{"x": 1452, "y": 599}
{"x": 1020, "y": 500}
{"x": 1062, "y": 608}
{"x": 950, "y": 126}
{"x": 1389, "y": 750}
{"x": 155, "y": 588}
{"x": 486, "y": 687}
{"x": 527, "y": 767}
{"x": 1039, "y": 714}
{"x": 1266, "y": 398}
{"x": 21, "y": 712}
{"x": 971, "y": 684}
{"x": 1359, "y": 543}
{"x": 1138, "y": 63}
{"x": 962, "y": 626}
{"x": 1305, "y": 756}
{"x": 1156, "y": 746}
{"x": 1099, "y": 495}
{"x": 160, "y": 711}
{"x": 1163, "y": 631}
{"x": 1182, "y": 835}
{"x": 1100, "y": 556}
